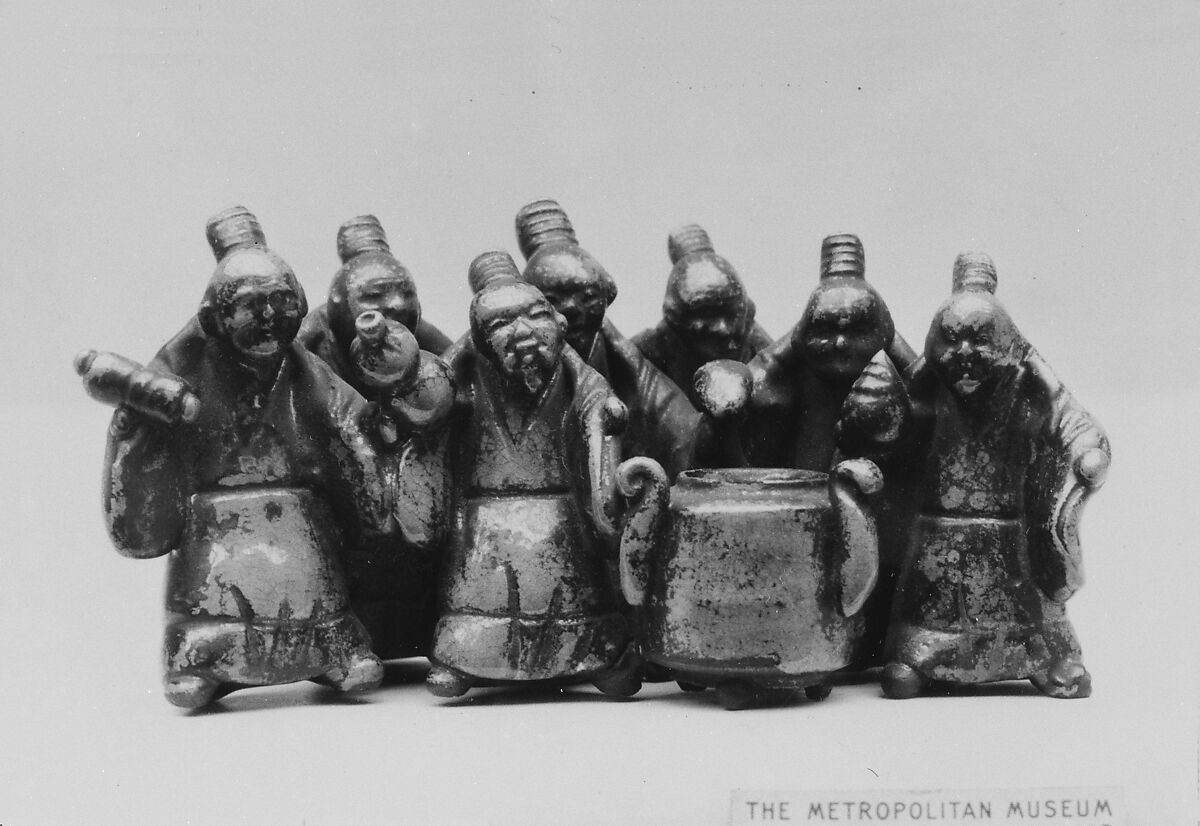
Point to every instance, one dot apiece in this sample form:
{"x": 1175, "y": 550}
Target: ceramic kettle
{"x": 751, "y": 580}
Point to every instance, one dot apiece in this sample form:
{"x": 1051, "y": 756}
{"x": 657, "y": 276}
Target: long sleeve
{"x": 359, "y": 473}
{"x": 1071, "y": 456}
{"x": 145, "y": 493}
{"x": 662, "y": 422}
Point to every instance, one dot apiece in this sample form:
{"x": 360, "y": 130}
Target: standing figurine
{"x": 802, "y": 380}
{"x": 1011, "y": 459}
{"x": 240, "y": 453}
{"x": 370, "y": 278}
{"x": 526, "y": 595}
{"x": 392, "y": 579}
{"x": 706, "y": 313}
{"x": 831, "y": 390}
{"x": 662, "y": 422}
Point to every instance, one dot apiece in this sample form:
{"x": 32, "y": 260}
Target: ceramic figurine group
{"x": 545, "y": 501}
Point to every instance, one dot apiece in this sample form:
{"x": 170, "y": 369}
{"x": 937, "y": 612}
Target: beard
{"x": 530, "y": 368}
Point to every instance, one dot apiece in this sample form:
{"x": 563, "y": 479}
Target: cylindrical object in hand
{"x": 116, "y": 380}
{"x": 385, "y": 353}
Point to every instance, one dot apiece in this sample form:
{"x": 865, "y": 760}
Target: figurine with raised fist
{"x": 251, "y": 489}
{"x": 707, "y": 314}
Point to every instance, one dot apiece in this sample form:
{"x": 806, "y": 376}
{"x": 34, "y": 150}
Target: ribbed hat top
{"x": 490, "y": 266}
{"x": 541, "y": 222}
{"x": 361, "y": 234}
{"x": 974, "y": 271}
{"x": 232, "y": 229}
{"x": 686, "y": 240}
{"x": 842, "y": 256}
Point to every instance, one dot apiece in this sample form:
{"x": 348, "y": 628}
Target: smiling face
{"x": 578, "y": 288}
{"x": 255, "y": 305}
{"x": 971, "y": 343}
{"x": 519, "y": 331}
{"x": 845, "y": 327}
{"x": 706, "y": 307}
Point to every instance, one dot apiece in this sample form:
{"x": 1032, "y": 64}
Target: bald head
{"x": 578, "y": 287}
{"x": 845, "y": 324}
{"x": 706, "y": 305}
{"x": 372, "y": 281}
{"x": 515, "y": 327}
{"x": 254, "y": 304}
{"x": 972, "y": 343}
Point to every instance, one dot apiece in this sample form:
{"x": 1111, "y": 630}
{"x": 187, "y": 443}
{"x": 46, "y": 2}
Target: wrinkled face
{"x": 844, "y": 331}
{"x": 969, "y": 344}
{"x": 387, "y": 290}
{"x": 260, "y": 316}
{"x": 521, "y": 332}
{"x": 577, "y": 293}
{"x": 707, "y": 310}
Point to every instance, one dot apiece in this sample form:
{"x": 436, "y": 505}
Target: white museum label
{"x": 1081, "y": 806}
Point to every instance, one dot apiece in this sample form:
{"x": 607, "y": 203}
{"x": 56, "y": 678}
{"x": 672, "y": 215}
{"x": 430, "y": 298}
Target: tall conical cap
{"x": 974, "y": 271}
{"x": 232, "y": 229}
{"x": 361, "y": 234}
{"x": 490, "y": 266}
{"x": 842, "y": 256}
{"x": 540, "y": 222}
{"x": 687, "y": 239}
{"x": 879, "y": 379}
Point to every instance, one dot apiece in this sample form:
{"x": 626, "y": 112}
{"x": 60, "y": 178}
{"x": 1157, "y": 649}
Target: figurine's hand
{"x": 379, "y": 425}
{"x": 143, "y": 394}
{"x": 1092, "y": 467}
{"x": 425, "y": 402}
{"x": 615, "y": 417}
{"x": 125, "y": 422}
{"x": 724, "y": 389}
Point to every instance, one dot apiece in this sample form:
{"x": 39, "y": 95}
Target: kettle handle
{"x": 645, "y": 483}
{"x": 849, "y": 485}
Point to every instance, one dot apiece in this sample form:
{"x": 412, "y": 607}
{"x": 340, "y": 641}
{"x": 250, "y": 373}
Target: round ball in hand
{"x": 724, "y": 387}
{"x": 1093, "y": 467}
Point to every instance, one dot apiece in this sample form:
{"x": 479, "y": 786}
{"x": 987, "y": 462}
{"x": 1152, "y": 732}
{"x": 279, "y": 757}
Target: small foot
{"x": 901, "y": 682}
{"x": 817, "y": 692}
{"x": 619, "y": 684}
{"x": 362, "y": 673}
{"x": 624, "y": 679}
{"x": 1066, "y": 679}
{"x": 684, "y": 685}
{"x": 446, "y": 682}
{"x": 190, "y": 690}
{"x": 736, "y": 695}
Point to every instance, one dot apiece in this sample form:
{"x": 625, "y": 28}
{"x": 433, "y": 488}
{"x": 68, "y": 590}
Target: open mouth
{"x": 524, "y": 350}
{"x": 265, "y": 346}
{"x": 967, "y": 385}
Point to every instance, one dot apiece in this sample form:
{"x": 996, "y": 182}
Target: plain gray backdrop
{"x": 1060, "y": 138}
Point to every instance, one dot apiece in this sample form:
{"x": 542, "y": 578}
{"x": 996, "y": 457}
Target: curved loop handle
{"x": 643, "y": 481}
{"x": 849, "y": 485}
